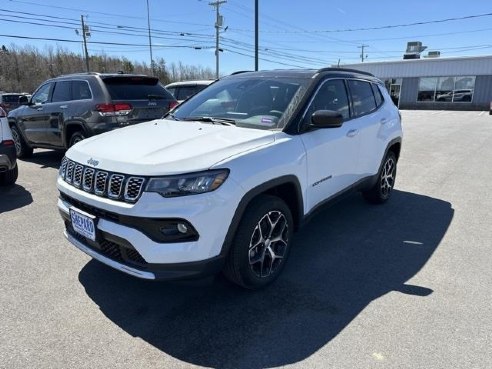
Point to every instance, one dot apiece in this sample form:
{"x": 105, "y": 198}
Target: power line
{"x": 381, "y": 27}
{"x": 105, "y": 14}
{"x": 271, "y": 48}
{"x": 103, "y": 30}
{"x": 92, "y": 42}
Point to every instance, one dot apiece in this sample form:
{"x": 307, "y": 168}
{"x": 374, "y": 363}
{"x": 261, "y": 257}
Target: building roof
{"x": 428, "y": 67}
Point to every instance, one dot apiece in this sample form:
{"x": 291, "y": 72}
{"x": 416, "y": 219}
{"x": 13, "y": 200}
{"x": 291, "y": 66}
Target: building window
{"x": 446, "y": 89}
{"x": 463, "y": 89}
{"x": 427, "y": 89}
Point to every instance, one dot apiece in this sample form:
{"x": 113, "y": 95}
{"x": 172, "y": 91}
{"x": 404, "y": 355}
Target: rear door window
{"x": 61, "y": 91}
{"x": 363, "y": 101}
{"x": 136, "y": 88}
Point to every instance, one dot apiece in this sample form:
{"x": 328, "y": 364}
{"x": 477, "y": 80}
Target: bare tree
{"x": 23, "y": 69}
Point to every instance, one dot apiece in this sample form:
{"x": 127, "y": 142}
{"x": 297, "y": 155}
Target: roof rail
{"x": 78, "y": 74}
{"x": 240, "y": 71}
{"x": 340, "y": 69}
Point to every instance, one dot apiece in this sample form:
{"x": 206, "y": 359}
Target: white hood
{"x": 167, "y": 147}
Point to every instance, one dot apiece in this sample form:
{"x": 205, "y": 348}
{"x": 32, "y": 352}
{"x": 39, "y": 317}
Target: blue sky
{"x": 309, "y": 33}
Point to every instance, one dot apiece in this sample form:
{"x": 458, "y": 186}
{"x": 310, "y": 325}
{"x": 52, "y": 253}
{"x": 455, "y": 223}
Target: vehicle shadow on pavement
{"x": 14, "y": 197}
{"x": 346, "y": 257}
{"x": 46, "y": 159}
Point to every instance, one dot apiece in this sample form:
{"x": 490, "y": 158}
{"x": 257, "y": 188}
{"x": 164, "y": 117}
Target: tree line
{"x": 22, "y": 69}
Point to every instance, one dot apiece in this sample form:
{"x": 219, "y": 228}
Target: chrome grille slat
{"x": 133, "y": 188}
{"x": 88, "y": 179}
{"x": 116, "y": 186}
{"x": 63, "y": 167}
{"x": 70, "y": 168}
{"x": 77, "y": 175}
{"x": 101, "y": 181}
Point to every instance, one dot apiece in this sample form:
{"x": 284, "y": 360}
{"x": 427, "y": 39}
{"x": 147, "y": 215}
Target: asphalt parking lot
{"x": 403, "y": 285}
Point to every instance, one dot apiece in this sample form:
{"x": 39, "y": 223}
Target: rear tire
{"x": 9, "y": 177}
{"x": 382, "y": 189}
{"x": 262, "y": 243}
{"x": 76, "y": 137}
{"x": 21, "y": 148}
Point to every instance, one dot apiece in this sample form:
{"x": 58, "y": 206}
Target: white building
{"x": 463, "y": 83}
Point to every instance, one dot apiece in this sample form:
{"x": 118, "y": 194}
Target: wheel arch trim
{"x": 68, "y": 127}
{"x": 268, "y": 187}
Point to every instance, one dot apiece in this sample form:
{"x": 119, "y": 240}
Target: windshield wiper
{"x": 223, "y": 121}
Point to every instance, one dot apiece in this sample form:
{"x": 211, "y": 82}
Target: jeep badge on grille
{"x": 93, "y": 162}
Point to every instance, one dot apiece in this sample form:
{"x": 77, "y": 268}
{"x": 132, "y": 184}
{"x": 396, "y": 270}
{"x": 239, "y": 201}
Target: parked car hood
{"x": 167, "y": 147}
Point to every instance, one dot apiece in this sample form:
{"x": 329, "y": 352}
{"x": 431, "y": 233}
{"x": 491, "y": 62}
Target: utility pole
{"x": 256, "y": 35}
{"x": 150, "y": 40}
{"x": 218, "y": 24}
{"x": 362, "y": 56}
{"x": 85, "y": 31}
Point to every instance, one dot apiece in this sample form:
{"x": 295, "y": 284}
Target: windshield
{"x": 254, "y": 102}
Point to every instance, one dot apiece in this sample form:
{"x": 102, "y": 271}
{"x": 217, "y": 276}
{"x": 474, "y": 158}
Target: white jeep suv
{"x": 223, "y": 181}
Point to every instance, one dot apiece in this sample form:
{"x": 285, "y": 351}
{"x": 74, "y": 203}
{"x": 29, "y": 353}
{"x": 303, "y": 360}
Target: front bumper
{"x": 126, "y": 246}
{"x": 167, "y": 272}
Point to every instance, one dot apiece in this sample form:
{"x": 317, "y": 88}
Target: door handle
{"x": 39, "y": 109}
{"x": 63, "y": 106}
{"x": 352, "y": 133}
{"x": 384, "y": 121}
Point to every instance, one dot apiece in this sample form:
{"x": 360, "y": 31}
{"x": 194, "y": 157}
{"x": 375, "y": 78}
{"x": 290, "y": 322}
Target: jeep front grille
{"x": 116, "y": 186}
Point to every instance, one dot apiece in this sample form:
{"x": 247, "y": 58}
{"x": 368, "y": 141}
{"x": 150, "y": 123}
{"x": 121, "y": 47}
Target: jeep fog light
{"x": 176, "y": 230}
{"x": 188, "y": 184}
{"x": 182, "y": 228}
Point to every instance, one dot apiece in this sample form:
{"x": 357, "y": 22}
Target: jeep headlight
{"x": 188, "y": 184}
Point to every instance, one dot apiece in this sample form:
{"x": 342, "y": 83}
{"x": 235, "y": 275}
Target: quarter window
{"x": 81, "y": 90}
{"x": 377, "y": 95}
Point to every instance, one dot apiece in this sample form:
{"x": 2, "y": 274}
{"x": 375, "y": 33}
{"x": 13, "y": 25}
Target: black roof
{"x": 304, "y": 73}
{"x": 102, "y": 75}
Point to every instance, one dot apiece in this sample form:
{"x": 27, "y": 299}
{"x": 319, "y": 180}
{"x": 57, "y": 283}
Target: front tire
{"x": 22, "y": 150}
{"x": 262, "y": 243}
{"x": 382, "y": 189}
{"x": 9, "y": 177}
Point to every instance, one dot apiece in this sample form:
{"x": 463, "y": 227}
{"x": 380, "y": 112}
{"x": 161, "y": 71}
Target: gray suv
{"x": 66, "y": 109}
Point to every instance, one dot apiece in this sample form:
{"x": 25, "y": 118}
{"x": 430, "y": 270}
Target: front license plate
{"x": 83, "y": 223}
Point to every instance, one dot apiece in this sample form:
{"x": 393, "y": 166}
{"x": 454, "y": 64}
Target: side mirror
{"x": 23, "y": 100}
{"x": 326, "y": 119}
